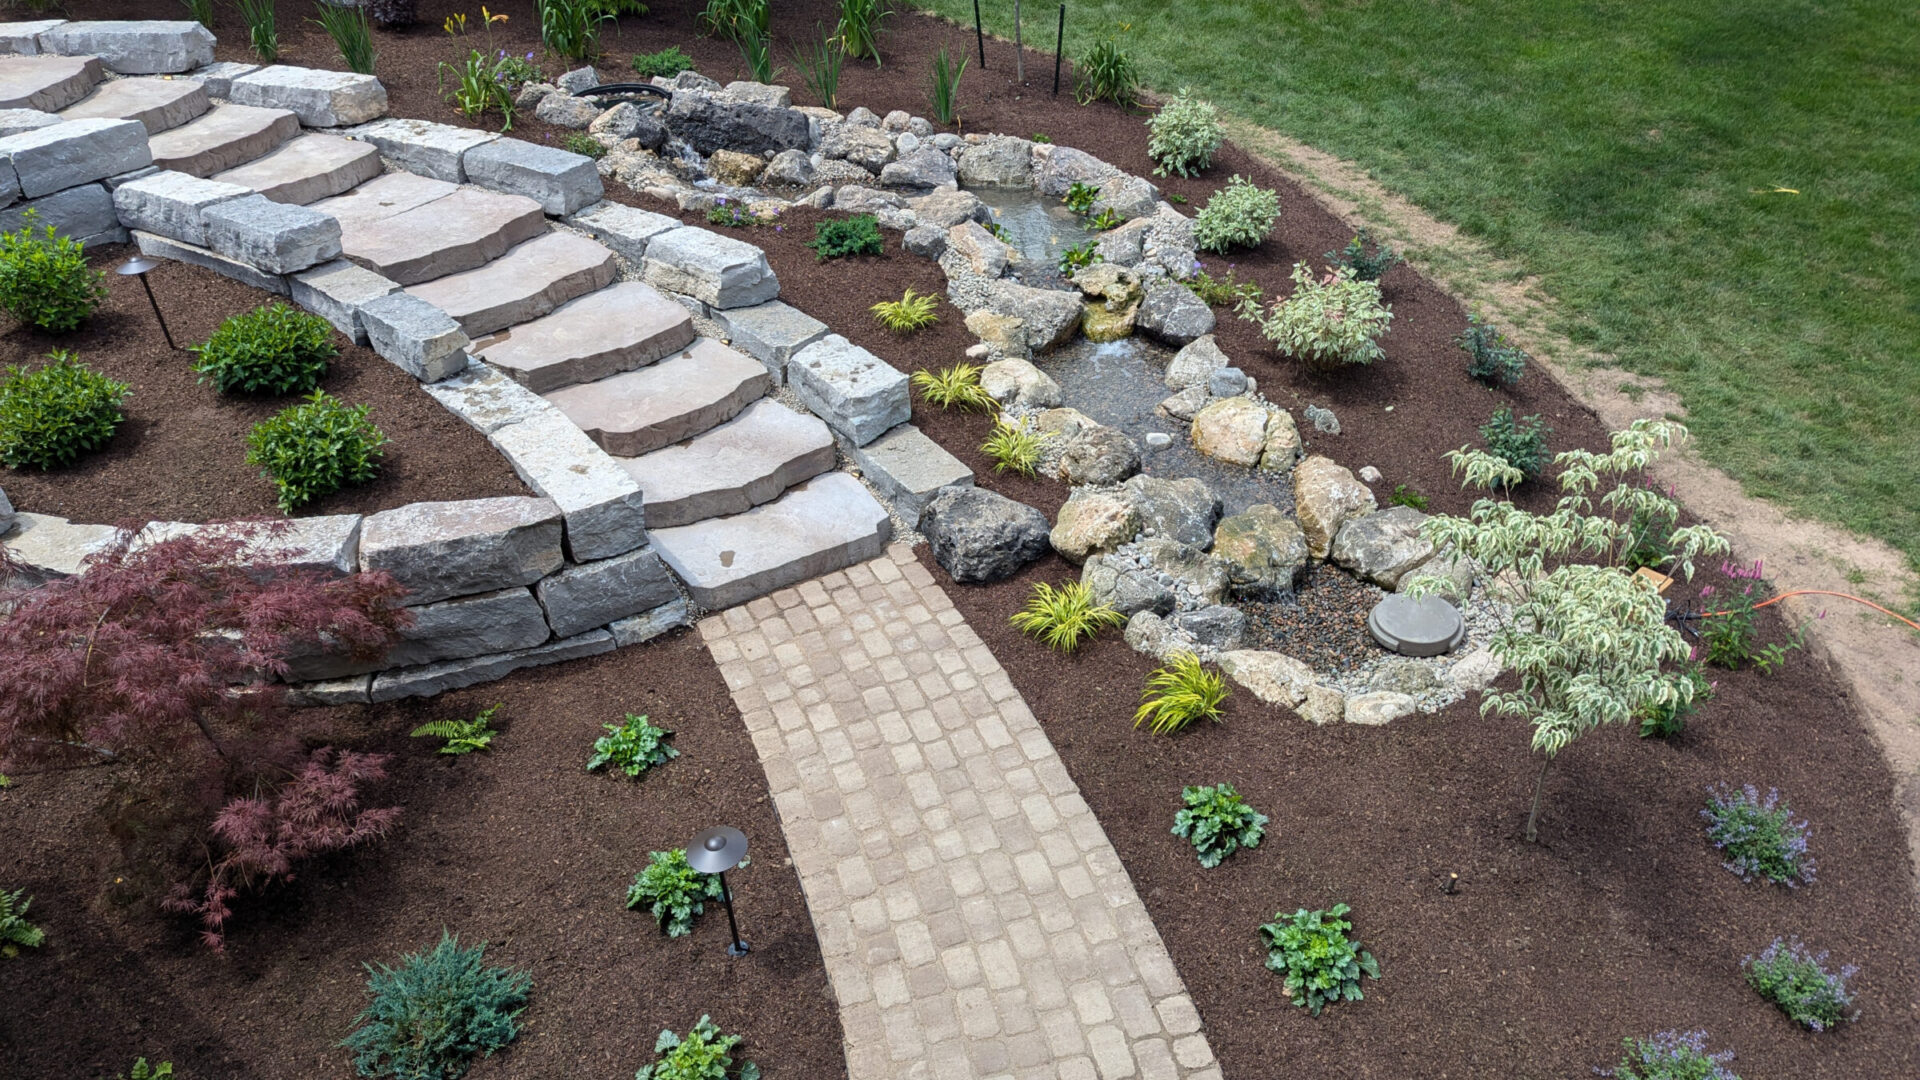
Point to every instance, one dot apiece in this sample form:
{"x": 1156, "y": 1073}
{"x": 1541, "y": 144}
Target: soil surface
{"x": 181, "y": 453}
{"x": 518, "y": 846}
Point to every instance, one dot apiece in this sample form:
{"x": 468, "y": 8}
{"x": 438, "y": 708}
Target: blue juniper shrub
{"x": 1758, "y": 836}
{"x": 1795, "y": 978}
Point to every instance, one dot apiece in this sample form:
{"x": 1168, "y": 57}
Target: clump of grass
{"x": 819, "y": 65}
{"x": 263, "y": 35}
{"x": 1062, "y": 618}
{"x": 956, "y": 387}
{"x": 352, "y": 34}
{"x": 1106, "y": 73}
{"x": 1179, "y": 694}
{"x": 913, "y": 311}
{"x": 1014, "y": 448}
{"x": 945, "y": 97}
{"x": 858, "y": 32}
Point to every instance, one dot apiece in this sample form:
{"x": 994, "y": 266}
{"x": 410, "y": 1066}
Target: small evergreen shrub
{"x": 633, "y": 746}
{"x": 1327, "y": 322}
{"x": 673, "y": 891}
{"x": 1758, "y": 836}
{"x": 1367, "y": 258}
{"x": 1218, "y": 822}
{"x": 274, "y": 349}
{"x": 705, "y": 1054}
{"x": 1793, "y": 977}
{"x": 16, "y": 932}
{"x": 1491, "y": 358}
{"x": 315, "y": 448}
{"x": 1671, "y": 1055}
{"x": 857, "y": 235}
{"x": 53, "y": 414}
{"x": 1063, "y": 617}
{"x": 1521, "y": 443}
{"x": 45, "y": 281}
{"x": 434, "y": 1012}
{"x": 913, "y": 311}
{"x": 955, "y": 387}
{"x": 1106, "y": 73}
{"x": 1322, "y": 964}
{"x": 1183, "y": 136}
{"x": 664, "y": 64}
{"x": 1014, "y": 447}
{"x": 461, "y": 736}
{"x": 1238, "y": 215}
{"x": 1179, "y": 694}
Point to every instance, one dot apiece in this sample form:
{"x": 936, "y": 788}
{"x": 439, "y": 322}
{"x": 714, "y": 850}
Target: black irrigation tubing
{"x": 1059, "y": 46}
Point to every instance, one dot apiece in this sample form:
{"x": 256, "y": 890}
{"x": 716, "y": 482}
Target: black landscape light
{"x": 138, "y": 267}
{"x": 716, "y": 851}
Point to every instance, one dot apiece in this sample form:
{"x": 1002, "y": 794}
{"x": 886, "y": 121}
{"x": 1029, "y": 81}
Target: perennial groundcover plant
{"x": 1672, "y": 1055}
{"x": 1218, "y": 821}
{"x": 673, "y": 891}
{"x": 1795, "y": 978}
{"x": 1758, "y": 836}
{"x": 1322, "y": 964}
{"x": 705, "y": 1054}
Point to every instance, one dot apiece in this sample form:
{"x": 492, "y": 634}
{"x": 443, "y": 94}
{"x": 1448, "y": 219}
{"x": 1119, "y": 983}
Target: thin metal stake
{"x": 156, "y": 313}
{"x": 1019, "y": 54}
{"x": 979, "y": 35}
{"x": 738, "y": 948}
{"x": 1059, "y": 45}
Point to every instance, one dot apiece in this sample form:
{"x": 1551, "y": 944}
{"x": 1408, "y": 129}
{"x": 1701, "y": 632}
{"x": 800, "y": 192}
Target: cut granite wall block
{"x": 504, "y": 621}
{"x": 713, "y": 269}
{"x": 15, "y": 121}
{"x": 47, "y": 547}
{"x": 161, "y": 247}
{"x": 23, "y": 38}
{"x": 651, "y": 624}
{"x": 486, "y": 399}
{"x": 318, "y": 98}
{"x": 415, "y": 336}
{"x": 858, "y": 394}
{"x": 218, "y": 77}
{"x": 134, "y": 46}
{"x": 594, "y": 594}
{"x": 908, "y": 468}
{"x": 432, "y": 679}
{"x": 171, "y": 204}
{"x": 84, "y": 213}
{"x": 559, "y": 180}
{"x": 771, "y": 333}
{"x": 625, "y": 229}
{"x": 328, "y": 544}
{"x": 423, "y": 147}
{"x": 276, "y": 237}
{"x": 55, "y": 158}
{"x": 336, "y": 291}
{"x": 601, "y": 503}
{"x": 439, "y": 550}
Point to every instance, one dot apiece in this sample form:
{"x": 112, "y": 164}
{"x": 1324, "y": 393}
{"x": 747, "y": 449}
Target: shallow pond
{"x": 1038, "y": 228}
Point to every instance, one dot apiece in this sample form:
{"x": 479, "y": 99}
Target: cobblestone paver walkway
{"x": 974, "y": 918}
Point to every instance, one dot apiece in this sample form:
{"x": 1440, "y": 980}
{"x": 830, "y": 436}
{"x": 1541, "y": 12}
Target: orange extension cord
{"x": 1818, "y": 592}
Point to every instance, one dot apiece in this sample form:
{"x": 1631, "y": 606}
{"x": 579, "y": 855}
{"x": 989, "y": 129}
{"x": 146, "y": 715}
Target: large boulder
{"x": 1273, "y": 677}
{"x": 1127, "y": 196}
{"x": 1233, "y": 430}
{"x": 1455, "y": 569}
{"x": 997, "y": 161}
{"x": 1119, "y": 581}
{"x": 1184, "y": 568}
{"x": 947, "y": 208}
{"x": 868, "y": 148}
{"x": 978, "y": 536}
{"x": 1173, "y": 314}
{"x": 922, "y": 168}
{"x": 1265, "y": 552}
{"x": 1094, "y": 520}
{"x": 1182, "y": 510}
{"x": 1195, "y": 363}
{"x": 1112, "y": 300}
{"x": 789, "y": 168}
{"x": 734, "y": 168}
{"x": 984, "y": 252}
{"x": 565, "y": 110}
{"x": 1217, "y": 626}
{"x": 1378, "y": 707}
{"x": 1064, "y": 166}
{"x": 1050, "y": 317}
{"x": 1100, "y": 455}
{"x": 1382, "y": 547}
{"x": 1325, "y": 495}
{"x": 1014, "y": 382}
{"x": 708, "y": 124}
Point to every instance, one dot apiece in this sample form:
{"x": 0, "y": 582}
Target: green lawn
{"x": 1628, "y": 154}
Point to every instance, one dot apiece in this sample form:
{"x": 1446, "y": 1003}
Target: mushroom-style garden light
{"x": 716, "y": 851}
{"x": 138, "y": 267}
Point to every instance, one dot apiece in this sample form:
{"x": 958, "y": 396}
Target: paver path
{"x": 974, "y": 918}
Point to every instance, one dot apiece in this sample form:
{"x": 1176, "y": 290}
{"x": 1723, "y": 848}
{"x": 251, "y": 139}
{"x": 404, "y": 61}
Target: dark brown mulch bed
{"x": 181, "y": 454}
{"x": 520, "y": 847}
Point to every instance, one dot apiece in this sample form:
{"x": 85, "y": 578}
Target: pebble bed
{"x": 1323, "y": 624}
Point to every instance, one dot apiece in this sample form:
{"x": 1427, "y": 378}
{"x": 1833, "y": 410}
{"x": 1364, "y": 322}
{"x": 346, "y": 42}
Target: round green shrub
{"x": 431, "y": 1015}
{"x": 270, "y": 350}
{"x": 1183, "y": 135}
{"x": 53, "y": 414}
{"x": 315, "y": 448}
{"x": 45, "y": 281}
{"x": 1238, "y": 215}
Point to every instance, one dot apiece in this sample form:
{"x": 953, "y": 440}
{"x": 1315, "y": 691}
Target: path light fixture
{"x": 716, "y": 851}
{"x": 138, "y": 267}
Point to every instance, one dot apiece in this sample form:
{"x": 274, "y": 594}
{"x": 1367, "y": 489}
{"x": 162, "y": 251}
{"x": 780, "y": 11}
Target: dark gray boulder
{"x": 1173, "y": 314}
{"x": 708, "y": 124}
{"x": 1184, "y": 510}
{"x": 1219, "y": 626}
{"x": 978, "y": 536}
{"x": 1102, "y": 455}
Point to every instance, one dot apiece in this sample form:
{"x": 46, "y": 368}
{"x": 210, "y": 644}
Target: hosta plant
{"x": 673, "y": 891}
{"x": 316, "y": 448}
{"x": 1218, "y": 822}
{"x": 461, "y": 736}
{"x": 1796, "y": 979}
{"x": 1319, "y": 959}
{"x": 57, "y": 412}
{"x": 1329, "y": 320}
{"x": 1183, "y": 135}
{"x": 632, "y": 746}
{"x": 273, "y": 349}
{"x": 913, "y": 311}
{"x": 1672, "y": 1055}
{"x": 431, "y": 1015}
{"x": 1238, "y": 215}
{"x": 16, "y": 932}
{"x": 1179, "y": 694}
{"x": 1588, "y": 641}
{"x": 1064, "y": 617}
{"x": 704, "y": 1054}
{"x": 955, "y": 387}
{"x": 1758, "y": 836}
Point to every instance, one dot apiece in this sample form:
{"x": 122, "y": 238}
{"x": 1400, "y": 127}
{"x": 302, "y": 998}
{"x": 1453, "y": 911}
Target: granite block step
{"x": 749, "y": 460}
{"x": 826, "y": 524}
{"x": 524, "y": 284}
{"x": 622, "y": 327}
{"x": 47, "y": 83}
{"x": 465, "y": 229}
{"x": 160, "y": 104}
{"x": 638, "y": 412}
{"x": 227, "y": 136}
{"x": 308, "y": 169}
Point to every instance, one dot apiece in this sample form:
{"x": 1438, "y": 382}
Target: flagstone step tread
{"x": 825, "y": 524}
{"x": 160, "y": 104}
{"x": 383, "y": 197}
{"x": 749, "y": 460}
{"x": 465, "y": 229}
{"x": 308, "y": 169}
{"x": 226, "y": 136}
{"x": 624, "y": 326}
{"x": 47, "y": 83}
{"x": 525, "y": 283}
{"x": 638, "y": 412}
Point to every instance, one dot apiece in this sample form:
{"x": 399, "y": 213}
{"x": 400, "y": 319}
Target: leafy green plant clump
{"x": 1218, "y": 822}
{"x": 315, "y": 448}
{"x": 1015, "y": 447}
{"x": 1796, "y": 979}
{"x": 53, "y": 414}
{"x": 1322, "y": 964}
{"x": 571, "y": 28}
{"x": 1078, "y": 257}
{"x": 1223, "y": 291}
{"x": 1367, "y": 258}
{"x": 633, "y": 746}
{"x": 579, "y": 142}
{"x": 954, "y": 387}
{"x": 1106, "y": 73}
{"x": 1758, "y": 836}
{"x": 664, "y": 64}
{"x": 462, "y": 736}
{"x": 1328, "y": 321}
{"x": 857, "y": 235}
{"x": 142, "y": 1071}
{"x": 1671, "y": 1055}
{"x": 274, "y": 349}
{"x": 1183, "y": 136}
{"x": 1238, "y": 215}
{"x": 433, "y": 1013}
{"x": 705, "y": 1054}
{"x": 1064, "y": 617}
{"x": 1179, "y": 694}
{"x": 673, "y": 891}
{"x": 730, "y": 18}
{"x": 1081, "y": 196}
{"x": 1667, "y": 719}
{"x": 1491, "y": 358}
{"x": 1521, "y": 443}
{"x": 858, "y": 31}
{"x": 45, "y": 281}
{"x": 913, "y": 311}
{"x": 16, "y": 932}
{"x": 1407, "y": 495}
